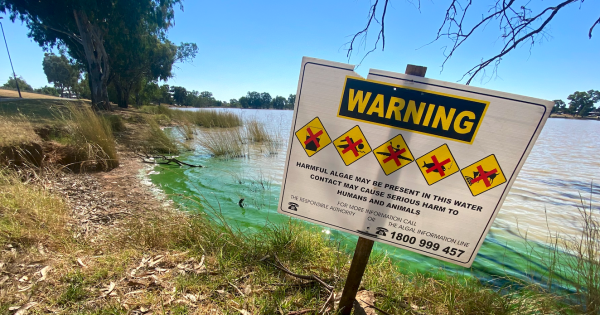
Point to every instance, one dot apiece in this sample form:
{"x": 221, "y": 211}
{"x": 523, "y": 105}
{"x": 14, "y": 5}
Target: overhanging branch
{"x": 519, "y": 23}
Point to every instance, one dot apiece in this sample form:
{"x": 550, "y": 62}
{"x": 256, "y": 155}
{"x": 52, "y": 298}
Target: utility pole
{"x": 9, "y": 59}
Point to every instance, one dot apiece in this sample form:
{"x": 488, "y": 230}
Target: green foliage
{"x": 582, "y": 103}
{"x": 559, "y": 106}
{"x": 263, "y": 100}
{"x": 75, "y": 290}
{"x": 291, "y": 101}
{"x": 61, "y": 72}
{"x": 142, "y": 61}
{"x": 47, "y": 90}
{"x": 12, "y": 84}
{"x": 122, "y": 30}
{"x": 279, "y": 102}
{"x": 82, "y": 88}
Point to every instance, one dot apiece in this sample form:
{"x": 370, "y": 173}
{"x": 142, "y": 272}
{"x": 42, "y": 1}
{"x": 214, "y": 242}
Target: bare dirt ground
{"x": 99, "y": 200}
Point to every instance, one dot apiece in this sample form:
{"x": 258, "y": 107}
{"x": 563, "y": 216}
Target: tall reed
{"x": 572, "y": 262}
{"x": 187, "y": 131}
{"x": 582, "y": 257}
{"x": 156, "y": 141}
{"x": 256, "y": 131}
{"x": 213, "y": 118}
{"x": 93, "y": 137}
{"x": 226, "y": 143}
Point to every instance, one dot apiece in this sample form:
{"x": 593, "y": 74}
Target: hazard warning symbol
{"x": 313, "y": 137}
{"x": 483, "y": 175}
{"x": 352, "y": 145}
{"x": 393, "y": 155}
{"x": 437, "y": 164}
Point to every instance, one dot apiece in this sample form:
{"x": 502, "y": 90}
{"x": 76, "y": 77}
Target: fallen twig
{"x": 152, "y": 160}
{"x": 302, "y": 311}
{"x": 329, "y": 300}
{"x": 237, "y": 289}
{"x": 281, "y": 267}
{"x": 313, "y": 277}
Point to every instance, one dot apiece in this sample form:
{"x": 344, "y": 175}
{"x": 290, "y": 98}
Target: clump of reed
{"x": 212, "y": 118}
{"x": 187, "y": 131}
{"x": 573, "y": 261}
{"x": 156, "y": 141}
{"x": 226, "y": 143}
{"x": 257, "y": 131}
{"x": 92, "y": 137}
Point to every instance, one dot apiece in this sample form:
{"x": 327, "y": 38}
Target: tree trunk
{"x": 122, "y": 94}
{"x": 97, "y": 59}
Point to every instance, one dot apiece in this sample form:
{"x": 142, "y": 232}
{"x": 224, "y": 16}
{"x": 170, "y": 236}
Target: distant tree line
{"x": 69, "y": 83}
{"x": 580, "y": 104}
{"x": 178, "y": 95}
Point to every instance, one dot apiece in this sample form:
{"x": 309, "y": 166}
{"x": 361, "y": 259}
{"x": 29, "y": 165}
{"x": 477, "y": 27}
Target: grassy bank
{"x": 63, "y": 251}
{"x": 170, "y": 263}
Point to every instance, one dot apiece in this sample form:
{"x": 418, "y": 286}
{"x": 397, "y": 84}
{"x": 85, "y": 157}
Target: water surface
{"x": 561, "y": 166}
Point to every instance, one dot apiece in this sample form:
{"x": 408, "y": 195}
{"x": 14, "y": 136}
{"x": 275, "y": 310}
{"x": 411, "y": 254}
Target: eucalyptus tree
{"x": 60, "y": 72}
{"x": 84, "y": 28}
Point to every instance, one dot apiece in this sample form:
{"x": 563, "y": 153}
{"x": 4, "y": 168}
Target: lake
{"x": 560, "y": 170}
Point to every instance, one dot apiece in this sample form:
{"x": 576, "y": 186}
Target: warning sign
{"x": 409, "y": 185}
{"x": 483, "y": 175}
{"x": 352, "y": 145}
{"x": 393, "y": 155}
{"x": 437, "y": 164}
{"x": 313, "y": 137}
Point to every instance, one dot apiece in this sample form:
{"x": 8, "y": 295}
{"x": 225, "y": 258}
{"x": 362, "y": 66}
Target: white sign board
{"x": 413, "y": 162}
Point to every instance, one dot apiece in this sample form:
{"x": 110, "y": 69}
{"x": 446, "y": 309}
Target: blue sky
{"x": 258, "y": 46}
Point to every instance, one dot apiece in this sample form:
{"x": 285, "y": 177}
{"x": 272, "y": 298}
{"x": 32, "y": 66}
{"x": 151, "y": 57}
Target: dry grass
{"x": 16, "y": 130}
{"x": 15, "y": 94}
{"x": 30, "y": 216}
{"x": 167, "y": 262}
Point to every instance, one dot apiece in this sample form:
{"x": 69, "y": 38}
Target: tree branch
{"x": 362, "y": 35}
{"x": 518, "y": 25}
{"x": 72, "y": 36}
{"x": 592, "y": 28}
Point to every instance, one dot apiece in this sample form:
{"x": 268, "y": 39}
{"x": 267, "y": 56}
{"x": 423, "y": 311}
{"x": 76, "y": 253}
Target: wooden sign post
{"x": 364, "y": 246}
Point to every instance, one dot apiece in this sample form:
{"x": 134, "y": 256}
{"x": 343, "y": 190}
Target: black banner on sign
{"x": 432, "y": 113}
